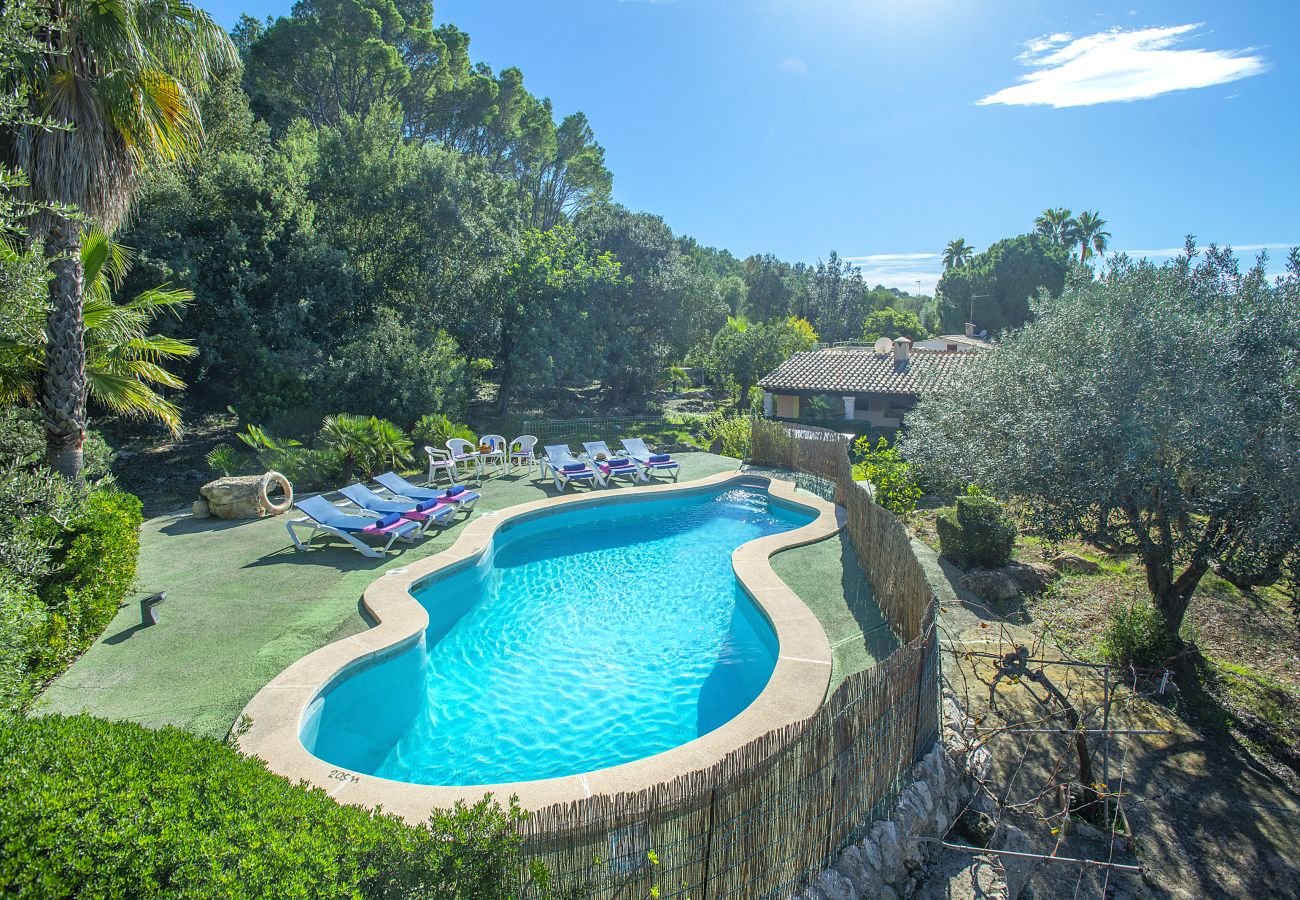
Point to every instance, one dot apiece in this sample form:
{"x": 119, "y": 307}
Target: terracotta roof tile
{"x": 863, "y": 371}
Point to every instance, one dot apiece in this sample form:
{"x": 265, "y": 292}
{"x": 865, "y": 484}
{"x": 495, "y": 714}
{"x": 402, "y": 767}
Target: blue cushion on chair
{"x": 660, "y": 458}
{"x": 453, "y": 491}
{"x": 574, "y": 467}
{"x": 425, "y": 505}
{"x": 390, "y": 519}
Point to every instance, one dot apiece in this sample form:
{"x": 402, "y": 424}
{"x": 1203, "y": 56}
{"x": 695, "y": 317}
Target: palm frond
{"x": 129, "y": 396}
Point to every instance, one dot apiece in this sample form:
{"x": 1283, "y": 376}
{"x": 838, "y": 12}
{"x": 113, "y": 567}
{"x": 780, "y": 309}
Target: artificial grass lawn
{"x": 827, "y": 577}
{"x": 242, "y": 605}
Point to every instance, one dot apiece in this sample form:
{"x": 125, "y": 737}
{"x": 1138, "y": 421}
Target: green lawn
{"x": 242, "y": 605}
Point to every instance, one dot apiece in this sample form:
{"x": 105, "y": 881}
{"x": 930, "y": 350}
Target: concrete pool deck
{"x": 242, "y": 606}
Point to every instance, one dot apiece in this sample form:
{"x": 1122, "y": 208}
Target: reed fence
{"x": 776, "y": 811}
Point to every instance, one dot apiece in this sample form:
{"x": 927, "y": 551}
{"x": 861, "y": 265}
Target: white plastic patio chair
{"x": 466, "y": 453}
{"x": 440, "y": 460}
{"x": 521, "y": 451}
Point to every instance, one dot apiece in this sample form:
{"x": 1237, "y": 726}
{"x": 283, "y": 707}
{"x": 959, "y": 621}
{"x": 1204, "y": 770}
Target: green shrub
{"x": 1135, "y": 634}
{"x": 893, "y": 485}
{"x": 226, "y": 460}
{"x": 111, "y": 809}
{"x": 97, "y": 568}
{"x": 397, "y": 371}
{"x": 367, "y": 443}
{"x": 312, "y": 469}
{"x": 976, "y": 533}
{"x": 22, "y": 618}
{"x": 436, "y": 430}
{"x": 67, "y": 559}
{"x": 727, "y": 435}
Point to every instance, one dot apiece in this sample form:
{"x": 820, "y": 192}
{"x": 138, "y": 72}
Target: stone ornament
{"x": 247, "y": 496}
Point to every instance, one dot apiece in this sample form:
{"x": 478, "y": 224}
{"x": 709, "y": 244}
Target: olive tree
{"x": 1151, "y": 410}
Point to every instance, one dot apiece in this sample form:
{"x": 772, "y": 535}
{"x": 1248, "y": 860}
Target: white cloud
{"x": 793, "y": 65}
{"x": 900, "y": 270}
{"x": 1117, "y": 65}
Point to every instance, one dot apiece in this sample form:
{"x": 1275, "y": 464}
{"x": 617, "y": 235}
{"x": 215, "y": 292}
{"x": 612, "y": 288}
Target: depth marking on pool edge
{"x": 820, "y": 662}
{"x": 586, "y": 787}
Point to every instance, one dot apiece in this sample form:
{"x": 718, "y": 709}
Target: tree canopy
{"x": 1154, "y": 410}
{"x": 891, "y": 322}
{"x": 994, "y": 288}
{"x": 743, "y": 352}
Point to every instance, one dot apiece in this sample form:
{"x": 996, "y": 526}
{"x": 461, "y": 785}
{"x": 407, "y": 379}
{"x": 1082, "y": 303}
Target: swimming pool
{"x": 582, "y": 639}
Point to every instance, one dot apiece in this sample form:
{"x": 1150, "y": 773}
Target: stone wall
{"x": 890, "y": 862}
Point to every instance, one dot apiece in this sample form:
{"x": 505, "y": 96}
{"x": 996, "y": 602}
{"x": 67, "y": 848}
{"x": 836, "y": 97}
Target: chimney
{"x": 902, "y": 349}
{"x": 970, "y": 329}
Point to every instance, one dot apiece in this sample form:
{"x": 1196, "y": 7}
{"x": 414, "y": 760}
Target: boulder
{"x": 991, "y": 585}
{"x": 200, "y": 509}
{"x": 1031, "y": 577}
{"x": 1007, "y": 582}
{"x": 1074, "y": 564}
{"x": 1016, "y": 870}
{"x": 248, "y": 496}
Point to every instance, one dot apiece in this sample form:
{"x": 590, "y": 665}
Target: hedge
{"x": 96, "y": 554}
{"x": 91, "y": 808}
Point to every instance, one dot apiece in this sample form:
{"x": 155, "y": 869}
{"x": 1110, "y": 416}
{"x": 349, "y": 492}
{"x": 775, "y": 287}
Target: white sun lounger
{"x": 422, "y": 512}
{"x": 323, "y": 516}
{"x": 565, "y": 467}
{"x": 610, "y": 466}
{"x": 463, "y": 498}
{"x": 650, "y": 462}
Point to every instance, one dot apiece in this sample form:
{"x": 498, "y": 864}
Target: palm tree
{"x": 125, "y": 75}
{"x": 124, "y": 363}
{"x": 957, "y": 254}
{"x": 1089, "y": 231}
{"x": 365, "y": 442}
{"x": 1057, "y": 225}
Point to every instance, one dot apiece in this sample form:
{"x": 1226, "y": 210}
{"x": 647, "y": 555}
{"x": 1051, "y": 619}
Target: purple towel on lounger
{"x": 660, "y": 457}
{"x": 574, "y": 467}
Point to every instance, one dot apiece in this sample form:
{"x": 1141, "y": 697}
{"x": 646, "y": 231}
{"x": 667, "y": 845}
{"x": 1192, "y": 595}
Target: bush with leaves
{"x": 436, "y": 430}
{"x": 97, "y": 554}
{"x": 1135, "y": 634}
{"x": 892, "y": 482}
{"x": 67, "y": 559}
{"x": 396, "y": 370}
{"x": 727, "y": 435}
{"x": 111, "y": 809}
{"x": 306, "y": 469}
{"x": 976, "y": 533}
{"x": 226, "y": 460}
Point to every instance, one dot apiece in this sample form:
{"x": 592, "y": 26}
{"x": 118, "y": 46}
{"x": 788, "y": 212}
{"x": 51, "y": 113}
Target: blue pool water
{"x": 585, "y": 638}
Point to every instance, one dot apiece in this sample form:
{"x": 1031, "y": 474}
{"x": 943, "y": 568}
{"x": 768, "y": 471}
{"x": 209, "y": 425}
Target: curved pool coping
{"x": 795, "y": 690}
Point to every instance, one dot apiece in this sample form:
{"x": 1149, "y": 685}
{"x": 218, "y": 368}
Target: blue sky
{"x": 884, "y": 128}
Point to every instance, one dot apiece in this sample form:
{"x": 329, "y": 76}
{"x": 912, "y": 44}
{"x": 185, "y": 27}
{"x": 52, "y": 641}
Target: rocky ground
{"x": 1205, "y": 816}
